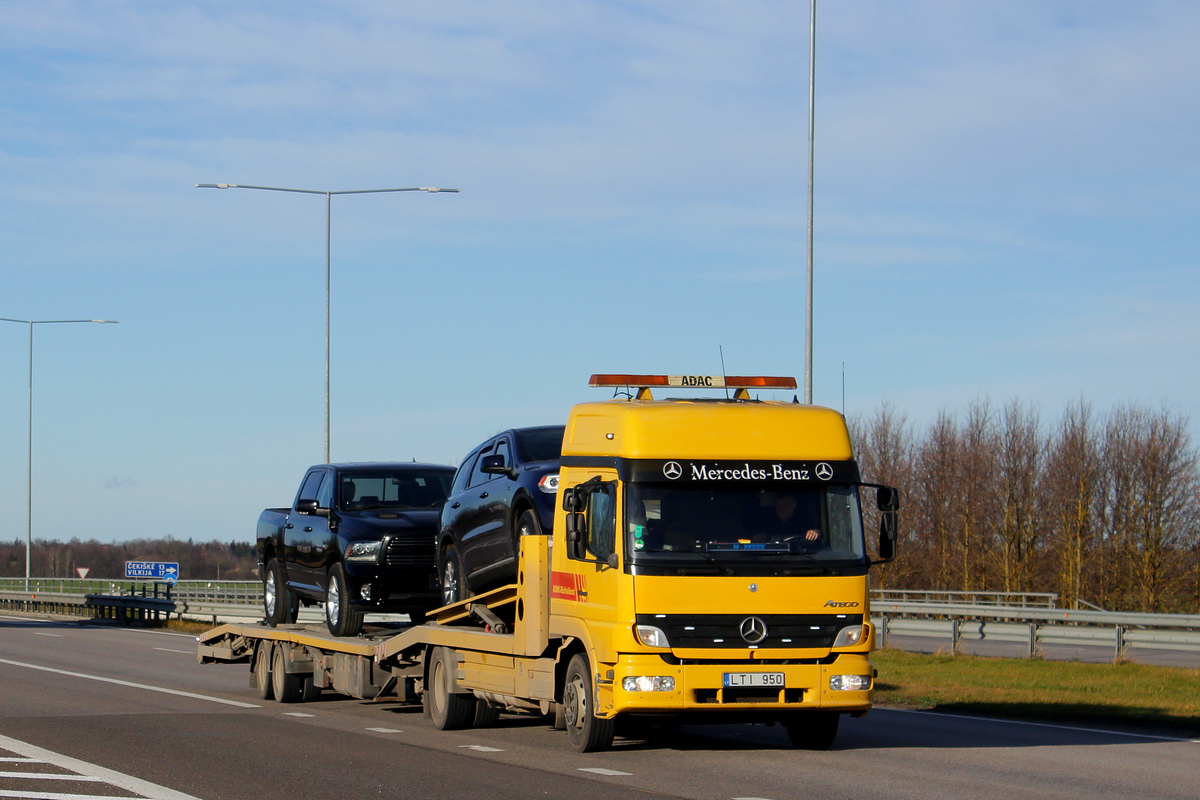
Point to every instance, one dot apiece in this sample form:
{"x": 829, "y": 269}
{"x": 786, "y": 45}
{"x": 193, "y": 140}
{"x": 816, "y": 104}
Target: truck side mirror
{"x": 306, "y": 506}
{"x": 576, "y": 535}
{"x": 888, "y": 500}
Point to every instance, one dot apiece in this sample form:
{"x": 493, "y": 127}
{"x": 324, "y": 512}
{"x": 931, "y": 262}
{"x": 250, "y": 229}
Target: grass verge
{"x": 1161, "y": 698}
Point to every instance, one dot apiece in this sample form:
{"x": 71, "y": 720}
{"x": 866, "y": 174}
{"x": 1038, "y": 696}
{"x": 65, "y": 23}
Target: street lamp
{"x": 328, "y": 208}
{"x": 29, "y": 459}
{"x": 808, "y": 301}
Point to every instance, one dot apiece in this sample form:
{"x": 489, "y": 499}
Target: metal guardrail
{"x": 1018, "y": 599}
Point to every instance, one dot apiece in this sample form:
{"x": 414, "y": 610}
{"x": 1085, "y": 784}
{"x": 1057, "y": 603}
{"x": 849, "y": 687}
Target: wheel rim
{"x": 269, "y": 597}
{"x": 449, "y": 580}
{"x": 525, "y": 527}
{"x": 440, "y": 689}
{"x": 575, "y": 702}
{"x": 332, "y": 602}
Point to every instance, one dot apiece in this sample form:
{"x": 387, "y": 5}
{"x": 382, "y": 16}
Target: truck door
{"x": 309, "y": 534}
{"x": 589, "y": 578}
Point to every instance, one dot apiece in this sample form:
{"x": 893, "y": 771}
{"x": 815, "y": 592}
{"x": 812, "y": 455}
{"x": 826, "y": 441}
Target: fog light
{"x": 849, "y": 683}
{"x": 648, "y": 683}
{"x": 365, "y": 591}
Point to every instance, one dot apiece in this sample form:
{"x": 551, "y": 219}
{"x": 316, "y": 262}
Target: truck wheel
{"x": 587, "y": 732}
{"x": 450, "y": 574}
{"x": 276, "y": 598}
{"x": 341, "y": 617}
{"x": 286, "y": 686}
{"x": 262, "y": 670}
{"x": 486, "y": 714}
{"x": 447, "y": 710}
{"x": 812, "y": 730}
{"x": 309, "y": 691}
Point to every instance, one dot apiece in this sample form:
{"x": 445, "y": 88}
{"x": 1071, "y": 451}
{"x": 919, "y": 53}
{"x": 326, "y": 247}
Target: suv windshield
{"x": 540, "y": 444}
{"x": 393, "y": 489}
{"x": 784, "y": 525}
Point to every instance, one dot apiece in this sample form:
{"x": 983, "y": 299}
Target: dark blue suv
{"x": 506, "y": 488}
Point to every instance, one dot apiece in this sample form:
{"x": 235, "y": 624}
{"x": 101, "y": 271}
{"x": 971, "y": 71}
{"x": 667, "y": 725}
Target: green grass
{"x": 1160, "y": 698}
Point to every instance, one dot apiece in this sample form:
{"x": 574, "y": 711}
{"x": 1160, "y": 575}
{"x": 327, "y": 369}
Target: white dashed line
{"x": 55, "y": 635}
{"x": 116, "y": 682}
{"x": 49, "y": 776}
{"x": 296, "y": 714}
{"x": 480, "y": 748}
{"x": 603, "y": 771}
{"x": 385, "y": 730}
{"x": 169, "y": 650}
{"x": 20, "y": 760}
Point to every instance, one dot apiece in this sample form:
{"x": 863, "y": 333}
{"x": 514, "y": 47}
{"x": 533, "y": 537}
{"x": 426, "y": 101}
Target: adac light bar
{"x": 695, "y": 381}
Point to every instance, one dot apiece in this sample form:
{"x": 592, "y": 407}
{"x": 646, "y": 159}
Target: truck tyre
{"x": 527, "y": 525}
{"x": 286, "y": 686}
{"x": 812, "y": 730}
{"x": 587, "y": 732}
{"x": 447, "y": 710}
{"x": 451, "y": 576}
{"x": 342, "y": 618}
{"x": 262, "y": 670}
{"x": 486, "y": 714}
{"x": 277, "y": 599}
{"x": 309, "y": 691}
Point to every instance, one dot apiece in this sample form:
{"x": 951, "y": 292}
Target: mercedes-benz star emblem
{"x": 753, "y": 630}
{"x": 672, "y": 470}
{"x": 824, "y": 471}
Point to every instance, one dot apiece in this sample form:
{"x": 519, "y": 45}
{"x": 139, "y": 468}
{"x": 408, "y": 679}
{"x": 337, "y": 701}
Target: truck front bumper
{"x": 751, "y": 690}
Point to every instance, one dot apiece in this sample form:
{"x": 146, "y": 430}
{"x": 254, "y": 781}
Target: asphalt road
{"x": 89, "y": 711}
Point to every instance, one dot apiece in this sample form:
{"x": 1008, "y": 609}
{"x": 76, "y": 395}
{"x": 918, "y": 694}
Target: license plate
{"x": 736, "y": 679}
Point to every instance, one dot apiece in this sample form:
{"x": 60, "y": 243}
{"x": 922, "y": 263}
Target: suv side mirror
{"x": 494, "y": 465}
{"x": 306, "y": 506}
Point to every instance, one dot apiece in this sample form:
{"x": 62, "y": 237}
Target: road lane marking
{"x": 55, "y": 635}
{"x": 20, "y": 760}
{"x": 130, "y": 684}
{"x": 61, "y": 796}
{"x": 297, "y": 714}
{"x": 50, "y": 776}
{"x": 603, "y": 771}
{"x": 385, "y": 730}
{"x": 169, "y": 650}
{"x": 111, "y": 777}
{"x": 480, "y": 748}
{"x": 1044, "y": 725}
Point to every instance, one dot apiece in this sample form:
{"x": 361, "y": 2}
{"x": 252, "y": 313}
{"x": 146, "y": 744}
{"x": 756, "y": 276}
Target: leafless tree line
{"x": 1100, "y": 509}
{"x": 197, "y": 560}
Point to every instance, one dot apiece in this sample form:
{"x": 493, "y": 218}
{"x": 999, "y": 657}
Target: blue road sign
{"x": 152, "y": 570}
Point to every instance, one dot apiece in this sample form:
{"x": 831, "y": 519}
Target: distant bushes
{"x": 197, "y": 561}
{"x": 1102, "y": 509}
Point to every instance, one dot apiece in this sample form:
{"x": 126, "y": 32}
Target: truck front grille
{"x": 410, "y": 551}
{"x": 696, "y": 631}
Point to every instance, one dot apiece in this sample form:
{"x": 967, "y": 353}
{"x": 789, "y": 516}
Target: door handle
{"x": 308, "y": 528}
{"x": 455, "y": 505}
{"x": 485, "y": 494}
{"x": 290, "y": 526}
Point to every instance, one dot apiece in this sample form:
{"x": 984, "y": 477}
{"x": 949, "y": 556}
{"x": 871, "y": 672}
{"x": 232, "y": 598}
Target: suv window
{"x": 541, "y": 444}
{"x": 464, "y": 472}
{"x": 502, "y": 450}
{"x": 478, "y": 476}
{"x": 325, "y": 493}
{"x": 308, "y": 491}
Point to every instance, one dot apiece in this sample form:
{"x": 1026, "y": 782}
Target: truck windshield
{"x": 387, "y": 489}
{"x": 779, "y": 525}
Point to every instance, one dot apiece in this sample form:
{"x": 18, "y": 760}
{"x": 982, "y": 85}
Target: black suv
{"x": 506, "y": 488}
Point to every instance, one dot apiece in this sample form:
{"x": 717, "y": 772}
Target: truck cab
{"x": 711, "y": 559}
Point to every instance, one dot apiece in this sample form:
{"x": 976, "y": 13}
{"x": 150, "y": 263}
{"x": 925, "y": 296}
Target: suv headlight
{"x": 549, "y": 483}
{"x": 363, "y": 551}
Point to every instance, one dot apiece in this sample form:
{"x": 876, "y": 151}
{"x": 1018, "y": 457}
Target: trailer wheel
{"x": 486, "y": 714}
{"x": 342, "y": 618}
{"x": 812, "y": 730}
{"x": 285, "y": 685}
{"x": 277, "y": 599}
{"x": 309, "y": 691}
{"x": 586, "y": 731}
{"x": 262, "y": 670}
{"x": 449, "y": 711}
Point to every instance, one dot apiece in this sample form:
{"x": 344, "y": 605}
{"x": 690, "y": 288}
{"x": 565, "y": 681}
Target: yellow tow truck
{"x": 708, "y": 564}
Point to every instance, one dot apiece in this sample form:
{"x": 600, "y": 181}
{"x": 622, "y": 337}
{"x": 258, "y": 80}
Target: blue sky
{"x": 1006, "y": 205}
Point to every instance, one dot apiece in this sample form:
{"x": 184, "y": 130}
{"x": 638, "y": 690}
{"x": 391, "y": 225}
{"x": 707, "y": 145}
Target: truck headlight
{"x": 363, "y": 551}
{"x": 850, "y": 635}
{"x": 648, "y": 683}
{"x": 651, "y": 636}
{"x": 849, "y": 683}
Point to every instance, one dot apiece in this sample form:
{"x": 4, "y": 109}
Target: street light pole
{"x": 328, "y": 217}
{"x": 29, "y": 451}
{"x": 808, "y": 304}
